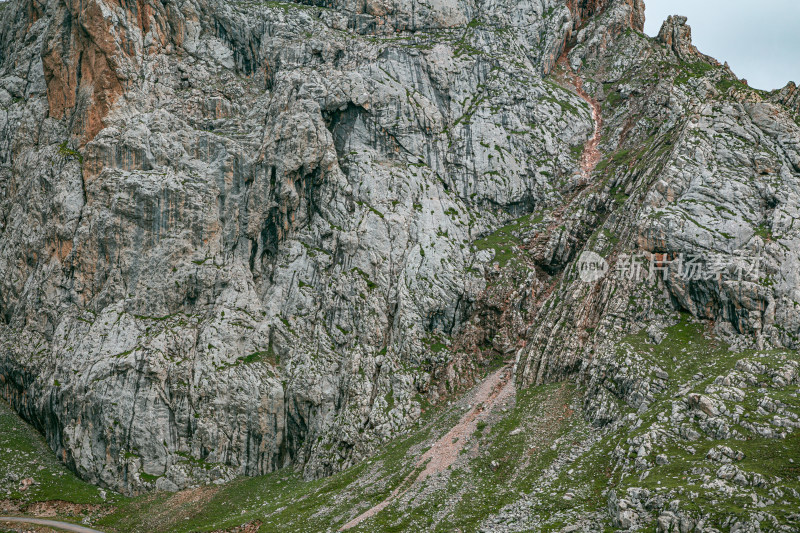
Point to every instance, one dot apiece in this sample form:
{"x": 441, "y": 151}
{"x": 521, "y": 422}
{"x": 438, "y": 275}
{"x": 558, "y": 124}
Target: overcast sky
{"x": 759, "y": 40}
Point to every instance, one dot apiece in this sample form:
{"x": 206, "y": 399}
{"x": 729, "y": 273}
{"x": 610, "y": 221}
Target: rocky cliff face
{"x": 242, "y": 235}
{"x": 701, "y": 176}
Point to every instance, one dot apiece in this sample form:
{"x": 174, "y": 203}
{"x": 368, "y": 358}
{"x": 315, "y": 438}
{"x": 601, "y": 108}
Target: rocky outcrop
{"x": 677, "y": 36}
{"x": 585, "y": 10}
{"x": 789, "y": 96}
{"x": 656, "y": 202}
{"x": 597, "y": 24}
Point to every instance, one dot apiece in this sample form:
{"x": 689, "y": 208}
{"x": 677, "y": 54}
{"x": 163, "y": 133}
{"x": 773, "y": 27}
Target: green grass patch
{"x": 69, "y": 153}
{"x": 25, "y": 454}
{"x": 505, "y": 241}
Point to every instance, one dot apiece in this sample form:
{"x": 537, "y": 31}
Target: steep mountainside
{"x": 243, "y": 236}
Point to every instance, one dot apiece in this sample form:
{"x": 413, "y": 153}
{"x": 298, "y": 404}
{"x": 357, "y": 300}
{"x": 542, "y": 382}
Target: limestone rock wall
{"x": 235, "y": 235}
{"x": 240, "y": 236}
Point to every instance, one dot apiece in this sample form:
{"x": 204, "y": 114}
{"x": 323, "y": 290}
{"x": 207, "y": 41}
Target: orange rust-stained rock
{"x": 87, "y": 57}
{"x": 82, "y": 83}
{"x": 676, "y": 35}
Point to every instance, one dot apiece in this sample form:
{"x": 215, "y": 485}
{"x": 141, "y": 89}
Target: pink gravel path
{"x": 445, "y": 451}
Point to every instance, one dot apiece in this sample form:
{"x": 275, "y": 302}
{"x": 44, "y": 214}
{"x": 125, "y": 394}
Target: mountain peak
{"x": 677, "y": 35}
{"x": 788, "y": 96}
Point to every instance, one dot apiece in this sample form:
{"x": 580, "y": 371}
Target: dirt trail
{"x": 65, "y": 526}
{"x": 591, "y": 155}
{"x": 445, "y": 451}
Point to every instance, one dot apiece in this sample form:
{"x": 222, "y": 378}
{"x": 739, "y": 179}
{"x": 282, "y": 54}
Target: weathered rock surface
{"x": 701, "y": 176}
{"x": 676, "y": 35}
{"x": 789, "y": 96}
{"x": 239, "y": 236}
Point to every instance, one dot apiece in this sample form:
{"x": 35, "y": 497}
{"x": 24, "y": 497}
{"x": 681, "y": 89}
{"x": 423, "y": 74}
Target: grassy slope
{"x": 699, "y": 360}
{"x": 496, "y": 466}
{"x": 24, "y": 454}
{"x": 282, "y": 501}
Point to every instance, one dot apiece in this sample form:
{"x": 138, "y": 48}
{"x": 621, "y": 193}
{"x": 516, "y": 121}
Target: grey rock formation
{"x": 701, "y": 174}
{"x": 789, "y": 96}
{"x": 677, "y": 36}
{"x": 240, "y": 236}
{"x": 236, "y": 236}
